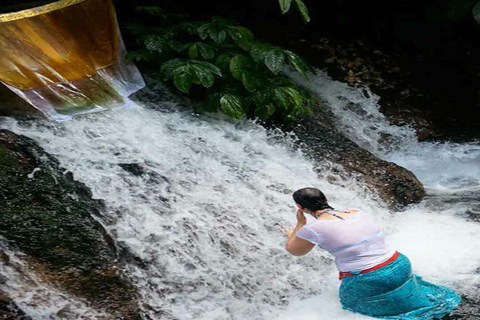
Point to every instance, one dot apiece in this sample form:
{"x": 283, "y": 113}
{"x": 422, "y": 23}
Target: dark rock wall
{"x": 49, "y": 216}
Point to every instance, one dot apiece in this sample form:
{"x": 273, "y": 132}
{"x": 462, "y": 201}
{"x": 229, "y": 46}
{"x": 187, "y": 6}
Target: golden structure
{"x": 70, "y": 51}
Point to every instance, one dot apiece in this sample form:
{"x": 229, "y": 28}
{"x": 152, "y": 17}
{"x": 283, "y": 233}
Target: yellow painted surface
{"x": 64, "y": 41}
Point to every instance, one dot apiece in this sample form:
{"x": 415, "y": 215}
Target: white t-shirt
{"x": 356, "y": 242}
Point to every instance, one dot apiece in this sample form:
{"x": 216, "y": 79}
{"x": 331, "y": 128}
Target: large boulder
{"x": 49, "y": 216}
{"x": 320, "y": 140}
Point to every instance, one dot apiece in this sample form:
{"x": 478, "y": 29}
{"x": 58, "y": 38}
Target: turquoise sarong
{"x": 393, "y": 292}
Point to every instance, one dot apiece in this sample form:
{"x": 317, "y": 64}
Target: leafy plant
{"x": 285, "y": 6}
{"x": 222, "y": 66}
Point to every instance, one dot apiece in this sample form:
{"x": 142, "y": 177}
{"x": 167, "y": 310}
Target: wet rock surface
{"x": 320, "y": 141}
{"x": 49, "y": 216}
{"x": 9, "y": 310}
{"x": 469, "y": 309}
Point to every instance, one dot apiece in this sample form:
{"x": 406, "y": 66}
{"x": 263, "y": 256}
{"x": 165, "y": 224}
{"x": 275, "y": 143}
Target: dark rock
{"x": 13, "y": 105}
{"x": 468, "y": 309}
{"x": 48, "y": 215}
{"x": 320, "y": 141}
{"x": 9, "y": 310}
{"x": 134, "y": 168}
{"x": 157, "y": 96}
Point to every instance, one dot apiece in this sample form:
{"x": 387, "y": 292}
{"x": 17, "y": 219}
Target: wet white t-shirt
{"x": 356, "y": 242}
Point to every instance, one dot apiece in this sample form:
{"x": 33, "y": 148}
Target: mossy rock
{"x": 49, "y": 216}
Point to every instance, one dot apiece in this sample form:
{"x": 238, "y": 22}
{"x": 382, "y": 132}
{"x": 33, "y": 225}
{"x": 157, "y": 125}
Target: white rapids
{"x": 206, "y": 215}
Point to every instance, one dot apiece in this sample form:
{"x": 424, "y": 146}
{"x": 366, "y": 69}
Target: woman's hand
{"x": 287, "y": 231}
{"x": 301, "y": 220}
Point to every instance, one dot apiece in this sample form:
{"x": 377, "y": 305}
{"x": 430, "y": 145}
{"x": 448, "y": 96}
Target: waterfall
{"x": 206, "y": 210}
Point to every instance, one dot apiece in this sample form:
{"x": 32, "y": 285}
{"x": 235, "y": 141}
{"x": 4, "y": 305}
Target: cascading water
{"x": 449, "y": 171}
{"x": 205, "y": 208}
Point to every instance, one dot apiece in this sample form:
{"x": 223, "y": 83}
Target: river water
{"x": 207, "y": 212}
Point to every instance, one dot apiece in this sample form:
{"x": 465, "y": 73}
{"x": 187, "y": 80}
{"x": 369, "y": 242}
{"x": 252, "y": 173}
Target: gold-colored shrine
{"x": 66, "y": 57}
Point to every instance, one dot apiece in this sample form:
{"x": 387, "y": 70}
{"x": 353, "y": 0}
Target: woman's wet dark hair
{"x": 311, "y": 199}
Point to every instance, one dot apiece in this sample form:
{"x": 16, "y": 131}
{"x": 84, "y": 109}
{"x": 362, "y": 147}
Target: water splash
{"x": 36, "y": 298}
{"x": 444, "y": 168}
{"x": 203, "y": 204}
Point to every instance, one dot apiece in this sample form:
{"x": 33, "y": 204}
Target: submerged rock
{"x": 9, "y": 310}
{"x": 320, "y": 140}
{"x": 50, "y": 217}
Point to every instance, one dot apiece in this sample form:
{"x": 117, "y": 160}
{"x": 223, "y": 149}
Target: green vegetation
{"x": 302, "y": 8}
{"x": 222, "y": 66}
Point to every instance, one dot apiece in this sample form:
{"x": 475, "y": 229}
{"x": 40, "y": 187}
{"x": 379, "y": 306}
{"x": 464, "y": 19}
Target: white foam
{"x": 38, "y": 299}
{"x": 206, "y": 216}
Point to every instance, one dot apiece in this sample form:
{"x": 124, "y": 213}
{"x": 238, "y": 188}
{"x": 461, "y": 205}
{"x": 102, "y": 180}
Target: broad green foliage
{"x": 285, "y": 6}
{"x": 232, "y": 106}
{"x": 239, "y": 75}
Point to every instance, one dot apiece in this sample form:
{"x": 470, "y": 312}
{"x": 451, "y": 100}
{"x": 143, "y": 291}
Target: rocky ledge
{"x": 49, "y": 217}
{"x": 320, "y": 141}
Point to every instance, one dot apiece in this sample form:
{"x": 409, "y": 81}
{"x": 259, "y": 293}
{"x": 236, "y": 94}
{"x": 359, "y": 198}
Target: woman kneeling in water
{"x": 377, "y": 281}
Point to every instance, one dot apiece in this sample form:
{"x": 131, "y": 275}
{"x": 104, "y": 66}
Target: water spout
{"x": 67, "y": 58}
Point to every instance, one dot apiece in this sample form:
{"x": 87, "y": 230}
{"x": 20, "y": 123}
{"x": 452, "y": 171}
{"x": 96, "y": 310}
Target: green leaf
{"x": 177, "y": 45}
{"x": 288, "y": 98}
{"x": 238, "y": 64}
{"x": 193, "y": 51}
{"x": 206, "y": 50}
{"x": 223, "y": 61}
{"x": 261, "y": 112}
{"x": 285, "y": 5}
{"x": 258, "y": 51}
{"x": 203, "y": 31}
{"x": 271, "y": 109}
{"x": 249, "y": 82}
{"x": 209, "y": 66}
{"x": 212, "y": 103}
{"x": 154, "y": 43}
{"x": 232, "y": 106}
{"x": 183, "y": 78}
{"x": 303, "y": 10}
{"x": 261, "y": 97}
{"x": 219, "y": 36}
{"x": 167, "y": 69}
{"x": 242, "y": 37}
{"x": 265, "y": 111}
{"x": 204, "y": 75}
{"x": 274, "y": 60}
{"x": 295, "y": 96}
{"x": 191, "y": 28}
{"x": 282, "y": 98}
{"x": 297, "y": 63}
{"x": 306, "y": 111}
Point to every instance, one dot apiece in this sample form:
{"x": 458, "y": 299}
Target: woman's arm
{"x": 295, "y": 245}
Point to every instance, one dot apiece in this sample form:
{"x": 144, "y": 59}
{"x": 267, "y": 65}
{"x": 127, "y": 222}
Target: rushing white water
{"x": 35, "y": 297}
{"x": 207, "y": 213}
{"x": 449, "y": 170}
